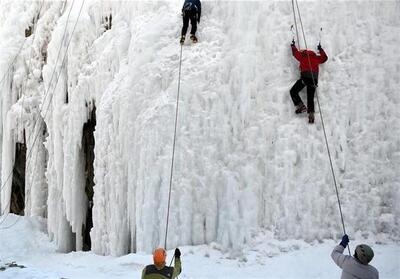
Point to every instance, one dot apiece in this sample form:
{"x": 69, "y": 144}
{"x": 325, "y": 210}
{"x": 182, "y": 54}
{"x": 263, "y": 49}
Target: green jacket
{"x": 166, "y": 272}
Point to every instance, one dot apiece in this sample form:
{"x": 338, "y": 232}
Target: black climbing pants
{"x": 192, "y": 16}
{"x": 298, "y": 86}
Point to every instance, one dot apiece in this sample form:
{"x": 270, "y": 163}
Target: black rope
{"x": 173, "y": 148}
{"x": 324, "y": 130}
{"x": 331, "y": 164}
{"x": 173, "y": 257}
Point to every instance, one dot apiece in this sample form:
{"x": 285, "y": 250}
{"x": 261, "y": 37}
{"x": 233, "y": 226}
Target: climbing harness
{"x": 322, "y": 119}
{"x": 173, "y": 147}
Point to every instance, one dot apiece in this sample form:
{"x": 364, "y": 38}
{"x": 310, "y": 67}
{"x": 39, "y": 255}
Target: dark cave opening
{"x": 17, "y": 203}
{"x": 28, "y": 31}
{"x": 108, "y": 22}
{"x": 88, "y": 144}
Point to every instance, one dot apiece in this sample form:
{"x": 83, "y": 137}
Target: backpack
{"x": 189, "y": 6}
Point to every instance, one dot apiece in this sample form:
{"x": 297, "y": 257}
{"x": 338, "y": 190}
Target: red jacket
{"x": 315, "y": 60}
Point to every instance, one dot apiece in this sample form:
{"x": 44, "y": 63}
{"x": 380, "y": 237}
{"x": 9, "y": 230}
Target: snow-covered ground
{"x": 28, "y": 245}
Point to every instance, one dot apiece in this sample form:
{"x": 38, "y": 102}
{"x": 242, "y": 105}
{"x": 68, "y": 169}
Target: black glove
{"x": 198, "y": 18}
{"x": 177, "y": 253}
{"x": 293, "y": 43}
{"x": 319, "y": 47}
{"x": 345, "y": 241}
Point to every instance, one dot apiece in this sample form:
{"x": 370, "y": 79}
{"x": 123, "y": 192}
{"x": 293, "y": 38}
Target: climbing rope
{"x": 173, "y": 147}
{"x": 323, "y": 124}
{"x": 12, "y": 62}
{"x": 47, "y": 109}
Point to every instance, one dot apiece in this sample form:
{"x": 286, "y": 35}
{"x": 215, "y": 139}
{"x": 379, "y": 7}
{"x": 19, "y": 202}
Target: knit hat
{"x": 364, "y": 253}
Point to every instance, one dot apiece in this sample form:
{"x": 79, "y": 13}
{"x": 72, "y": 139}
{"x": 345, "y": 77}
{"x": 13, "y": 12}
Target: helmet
{"x": 159, "y": 256}
{"x": 364, "y": 253}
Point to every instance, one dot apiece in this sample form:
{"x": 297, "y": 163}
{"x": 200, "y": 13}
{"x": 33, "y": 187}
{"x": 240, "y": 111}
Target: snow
{"x": 244, "y": 165}
{"x": 263, "y": 259}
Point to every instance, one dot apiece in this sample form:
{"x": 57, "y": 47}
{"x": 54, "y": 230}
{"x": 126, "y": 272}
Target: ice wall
{"x": 22, "y": 61}
{"x": 244, "y": 161}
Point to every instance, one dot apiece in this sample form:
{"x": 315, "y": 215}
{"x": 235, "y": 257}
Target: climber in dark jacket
{"x": 191, "y": 10}
{"x": 159, "y": 270}
{"x": 309, "y": 68}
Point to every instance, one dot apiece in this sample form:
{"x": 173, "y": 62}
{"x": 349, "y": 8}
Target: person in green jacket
{"x": 159, "y": 270}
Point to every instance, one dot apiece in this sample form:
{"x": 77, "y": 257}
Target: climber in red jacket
{"x": 309, "y": 62}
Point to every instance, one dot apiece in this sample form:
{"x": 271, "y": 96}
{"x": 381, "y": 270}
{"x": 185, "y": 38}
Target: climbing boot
{"x": 300, "y": 108}
{"x": 182, "y": 41}
{"x": 193, "y": 38}
{"x": 311, "y": 118}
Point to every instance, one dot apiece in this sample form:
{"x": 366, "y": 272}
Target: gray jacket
{"x": 352, "y": 269}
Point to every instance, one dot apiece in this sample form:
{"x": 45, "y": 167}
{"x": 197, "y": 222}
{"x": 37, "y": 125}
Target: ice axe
{"x": 291, "y": 29}
{"x": 320, "y": 35}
